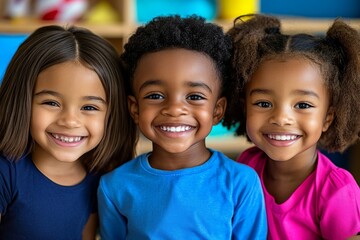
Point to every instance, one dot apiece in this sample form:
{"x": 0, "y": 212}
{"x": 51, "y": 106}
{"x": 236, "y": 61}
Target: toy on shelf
{"x": 55, "y": 10}
{"x": 230, "y": 9}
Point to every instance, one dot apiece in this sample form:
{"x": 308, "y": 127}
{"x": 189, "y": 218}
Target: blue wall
{"x": 9, "y": 43}
{"x": 312, "y": 8}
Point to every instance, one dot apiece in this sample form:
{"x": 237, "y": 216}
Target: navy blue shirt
{"x": 34, "y": 207}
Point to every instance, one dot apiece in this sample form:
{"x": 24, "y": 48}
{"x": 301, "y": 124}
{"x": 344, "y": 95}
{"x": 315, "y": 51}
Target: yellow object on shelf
{"x": 230, "y": 9}
{"x": 103, "y": 12}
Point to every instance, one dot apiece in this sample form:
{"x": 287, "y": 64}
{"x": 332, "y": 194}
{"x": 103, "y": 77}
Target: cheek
{"x": 313, "y": 126}
{"x": 97, "y": 127}
{"x": 38, "y": 119}
{"x": 205, "y": 117}
{"x": 252, "y": 124}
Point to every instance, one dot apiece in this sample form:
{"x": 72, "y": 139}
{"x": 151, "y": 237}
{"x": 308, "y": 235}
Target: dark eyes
{"x": 193, "y": 97}
{"x": 56, "y": 104}
{"x": 154, "y": 96}
{"x": 263, "y": 104}
{"x": 51, "y": 103}
{"x": 89, "y": 108}
{"x": 301, "y": 105}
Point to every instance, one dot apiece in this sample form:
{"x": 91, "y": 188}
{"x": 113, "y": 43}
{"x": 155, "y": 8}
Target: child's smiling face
{"x": 68, "y": 112}
{"x": 176, "y": 100}
{"x": 287, "y": 108}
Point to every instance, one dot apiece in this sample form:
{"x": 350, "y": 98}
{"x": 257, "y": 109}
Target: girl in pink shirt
{"x": 299, "y": 92}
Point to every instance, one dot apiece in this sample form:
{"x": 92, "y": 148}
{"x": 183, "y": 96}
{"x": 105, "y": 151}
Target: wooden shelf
{"x": 124, "y": 30}
{"x": 291, "y": 25}
{"x": 112, "y": 30}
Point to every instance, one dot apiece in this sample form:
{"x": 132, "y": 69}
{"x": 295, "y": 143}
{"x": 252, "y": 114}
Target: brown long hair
{"x": 52, "y": 45}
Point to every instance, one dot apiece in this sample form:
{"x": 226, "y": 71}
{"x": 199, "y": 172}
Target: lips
{"x": 67, "y": 139}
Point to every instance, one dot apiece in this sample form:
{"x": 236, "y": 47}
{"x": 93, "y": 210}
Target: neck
{"x": 65, "y": 174}
{"x": 298, "y": 168}
{"x": 281, "y": 179}
{"x": 194, "y": 156}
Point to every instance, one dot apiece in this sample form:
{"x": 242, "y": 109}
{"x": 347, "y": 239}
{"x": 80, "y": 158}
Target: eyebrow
{"x": 149, "y": 83}
{"x": 56, "y": 94}
{"x": 296, "y": 92}
{"x": 199, "y": 84}
{"x": 306, "y": 93}
{"x": 259, "y": 91}
{"x": 189, "y": 83}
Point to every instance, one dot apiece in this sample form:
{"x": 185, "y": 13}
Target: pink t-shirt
{"x": 325, "y": 206}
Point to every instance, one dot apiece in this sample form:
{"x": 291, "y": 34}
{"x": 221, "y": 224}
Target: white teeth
{"x": 282, "y": 137}
{"x": 66, "y": 139}
{"x": 175, "y": 129}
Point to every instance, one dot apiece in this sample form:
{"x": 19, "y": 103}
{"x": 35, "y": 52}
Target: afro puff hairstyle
{"x": 168, "y": 32}
{"x": 259, "y": 38}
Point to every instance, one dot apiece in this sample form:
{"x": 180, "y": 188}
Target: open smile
{"x": 67, "y": 139}
{"x": 176, "y": 129}
{"x": 283, "y": 137}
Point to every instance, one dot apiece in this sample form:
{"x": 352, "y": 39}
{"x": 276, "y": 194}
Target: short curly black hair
{"x": 191, "y": 33}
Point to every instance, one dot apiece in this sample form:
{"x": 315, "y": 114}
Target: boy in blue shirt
{"x": 177, "y": 70}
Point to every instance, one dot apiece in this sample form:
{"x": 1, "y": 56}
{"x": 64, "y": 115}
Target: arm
{"x": 112, "y": 224}
{"x": 89, "y": 232}
{"x": 7, "y": 184}
{"x": 340, "y": 222}
{"x": 249, "y": 221}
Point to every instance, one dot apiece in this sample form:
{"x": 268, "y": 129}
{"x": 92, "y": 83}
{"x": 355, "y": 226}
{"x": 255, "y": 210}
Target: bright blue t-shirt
{"x": 220, "y": 199}
{"x": 33, "y": 207}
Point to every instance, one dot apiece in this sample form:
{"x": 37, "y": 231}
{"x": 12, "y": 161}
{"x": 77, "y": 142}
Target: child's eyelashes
{"x": 154, "y": 96}
{"x": 300, "y": 105}
{"x": 191, "y": 97}
{"x": 303, "y": 105}
{"x": 51, "y": 103}
{"x": 263, "y": 104}
{"x": 84, "y": 108}
{"x": 90, "y": 108}
{"x": 195, "y": 97}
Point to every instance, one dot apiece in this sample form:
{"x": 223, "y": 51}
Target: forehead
{"x": 70, "y": 78}
{"x": 175, "y": 65}
{"x": 289, "y": 70}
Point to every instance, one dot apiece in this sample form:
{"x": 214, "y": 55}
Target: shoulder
{"x": 240, "y": 171}
{"x": 337, "y": 187}
{"x": 253, "y": 157}
{"x": 5, "y": 163}
{"x": 7, "y": 170}
{"x": 331, "y": 174}
{"x": 250, "y": 154}
{"x": 8, "y": 166}
{"x": 11, "y": 174}
{"x": 335, "y": 181}
{"x": 122, "y": 171}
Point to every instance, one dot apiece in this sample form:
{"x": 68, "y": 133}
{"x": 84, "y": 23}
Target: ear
{"x": 133, "y": 108}
{"x": 328, "y": 119}
{"x": 219, "y": 110}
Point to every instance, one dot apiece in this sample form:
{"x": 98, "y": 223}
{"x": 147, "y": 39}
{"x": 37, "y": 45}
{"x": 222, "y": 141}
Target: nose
{"x": 69, "y": 118}
{"x": 282, "y": 116}
{"x": 174, "y": 108}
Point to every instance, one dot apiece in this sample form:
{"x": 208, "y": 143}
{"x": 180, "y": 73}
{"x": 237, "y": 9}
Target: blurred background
{"x": 116, "y": 20}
